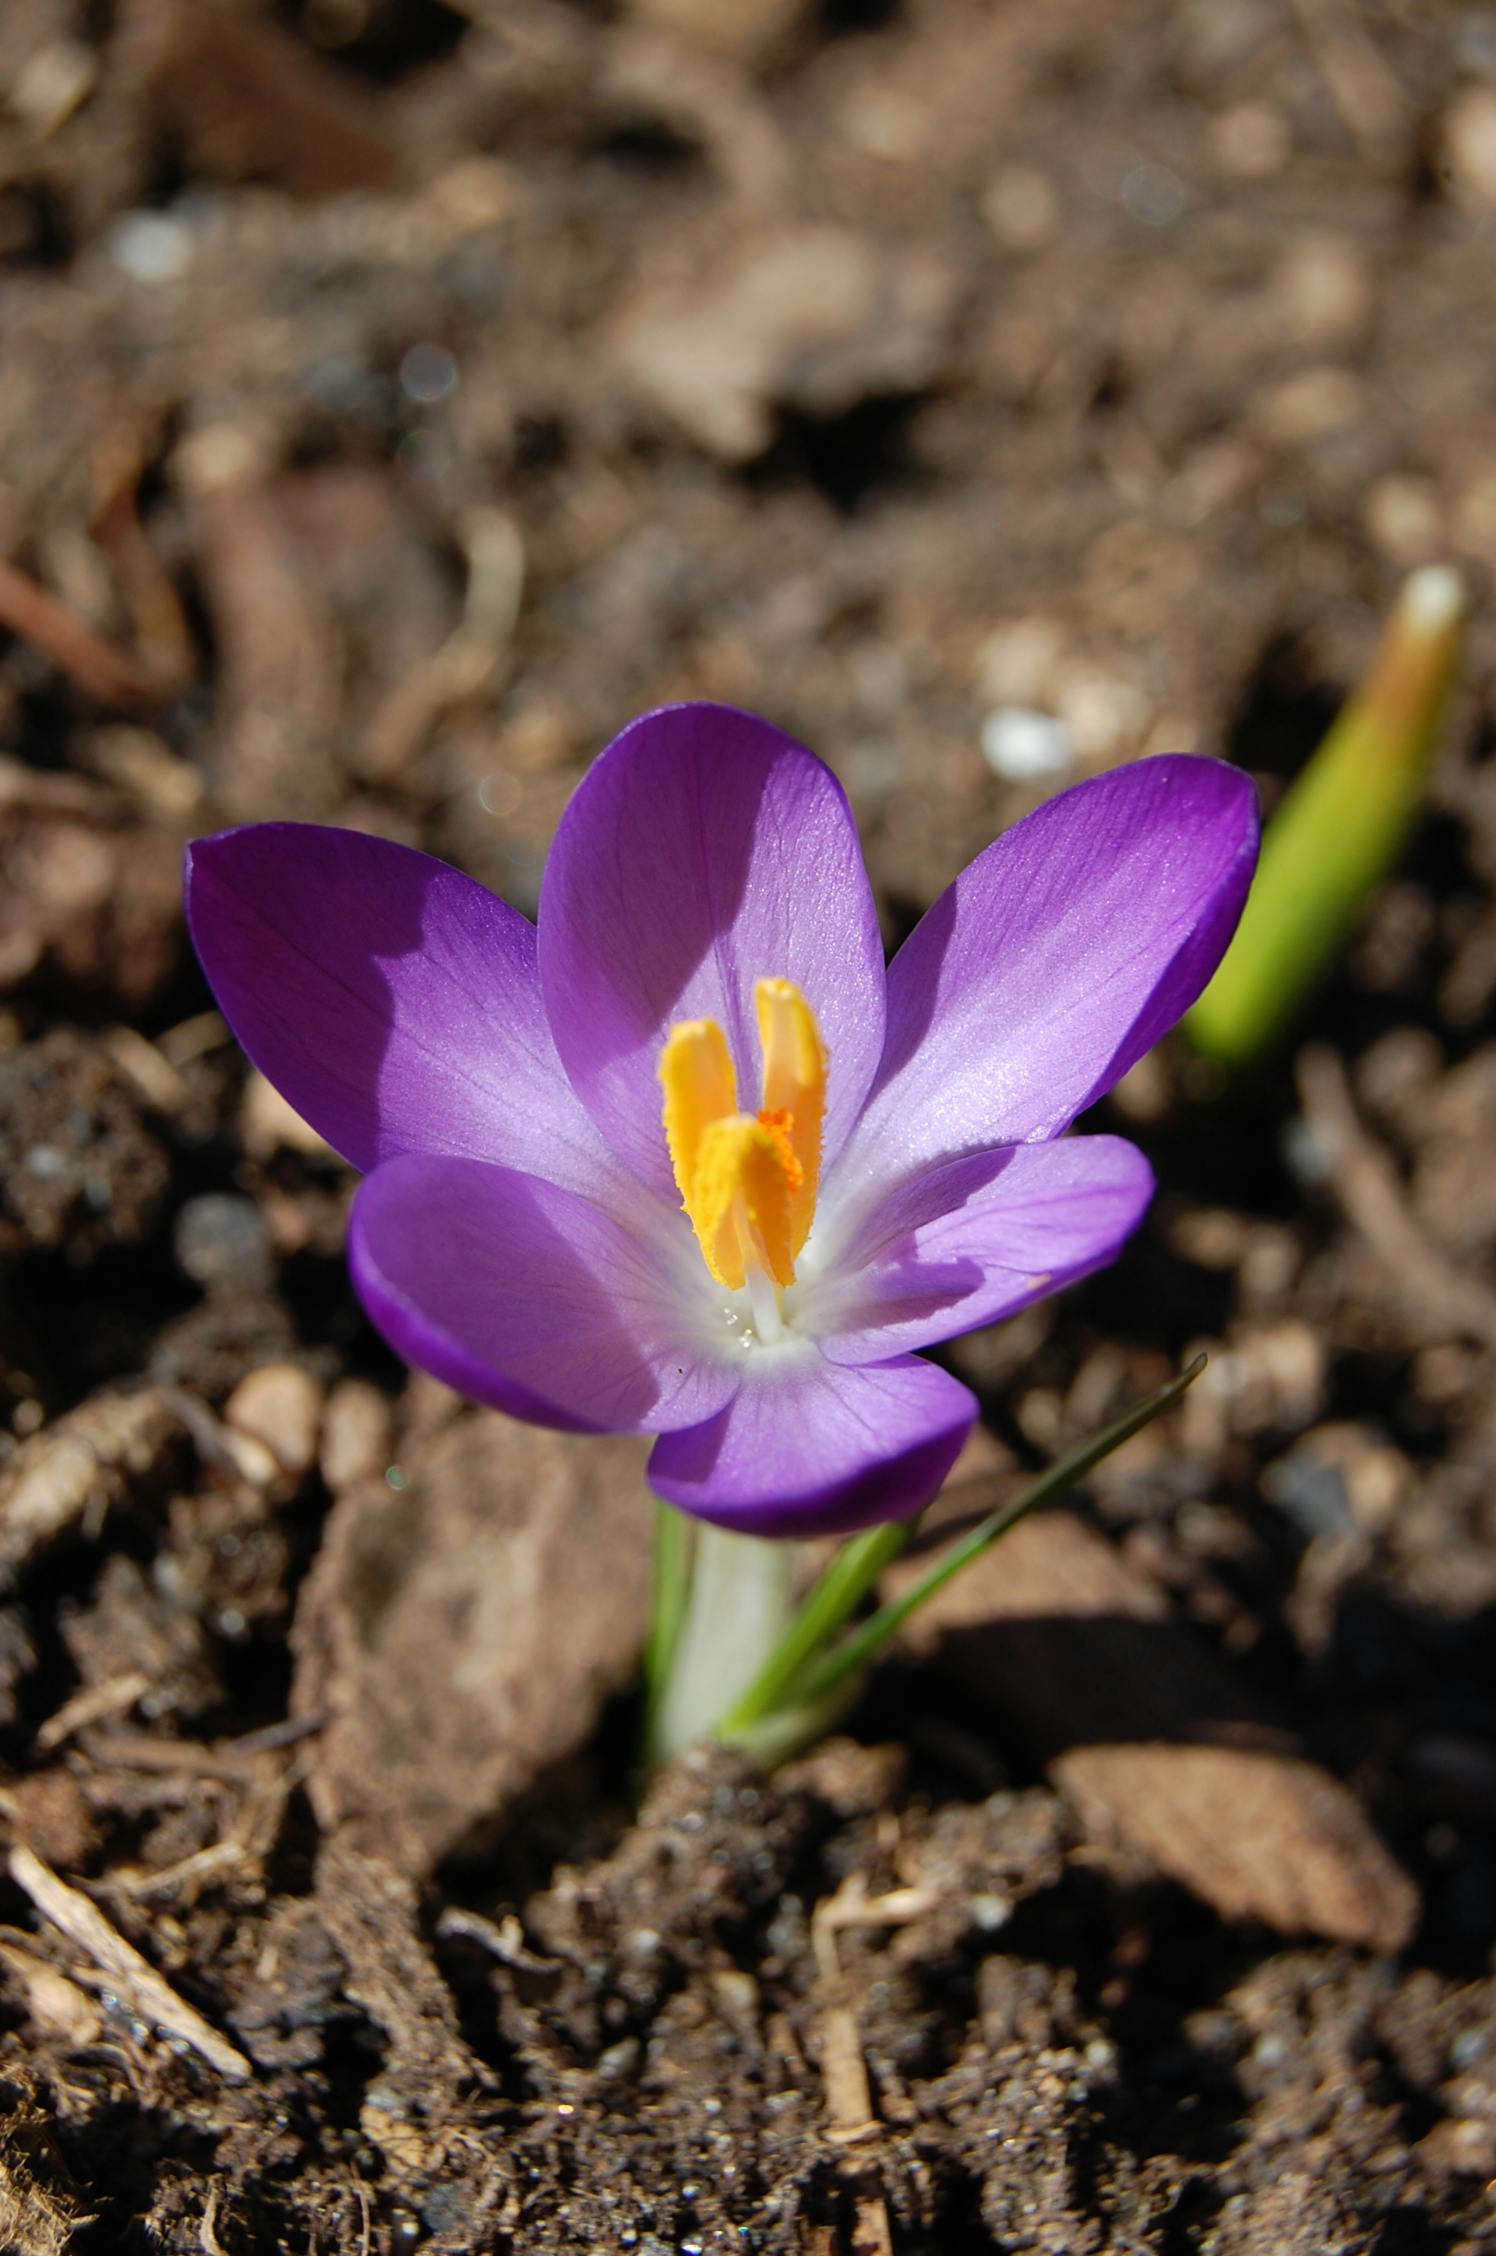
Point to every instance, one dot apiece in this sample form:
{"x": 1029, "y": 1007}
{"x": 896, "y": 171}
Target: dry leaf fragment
{"x": 817, "y": 321}
{"x": 1150, "y": 1734}
{"x": 462, "y": 1631}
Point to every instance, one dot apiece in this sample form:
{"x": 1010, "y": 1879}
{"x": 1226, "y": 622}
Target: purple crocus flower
{"x": 686, "y": 1159}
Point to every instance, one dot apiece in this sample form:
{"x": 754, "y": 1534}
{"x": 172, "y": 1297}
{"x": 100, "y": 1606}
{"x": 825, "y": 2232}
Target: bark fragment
{"x": 1151, "y": 1736}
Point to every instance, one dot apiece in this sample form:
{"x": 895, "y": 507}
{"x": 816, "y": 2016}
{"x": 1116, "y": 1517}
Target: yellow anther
{"x": 794, "y": 1084}
{"x": 742, "y": 1200}
{"x": 700, "y": 1088}
{"x": 782, "y": 1128}
{"x": 748, "y": 1184}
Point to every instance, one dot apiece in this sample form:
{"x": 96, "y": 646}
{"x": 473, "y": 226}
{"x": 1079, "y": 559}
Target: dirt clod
{"x": 81, "y": 1169}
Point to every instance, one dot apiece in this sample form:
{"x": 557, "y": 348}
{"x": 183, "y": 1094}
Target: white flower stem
{"x": 741, "y": 1601}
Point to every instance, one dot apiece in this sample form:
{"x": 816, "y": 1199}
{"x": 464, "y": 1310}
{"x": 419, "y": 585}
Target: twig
{"x": 1365, "y": 1183}
{"x": 230, "y": 1759}
{"x": 207, "y": 2235}
{"x": 218, "y": 1856}
{"x": 470, "y": 663}
{"x": 849, "y": 2100}
{"x": 161, "y": 631}
{"x": 1371, "y": 103}
{"x": 99, "y": 667}
{"x": 131, "y": 1976}
{"x": 90, "y": 1704}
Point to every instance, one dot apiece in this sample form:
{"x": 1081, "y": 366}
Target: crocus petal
{"x": 975, "y": 1240}
{"x": 703, "y": 851}
{"x": 532, "y": 1299}
{"x": 393, "y": 1001}
{"x": 1055, "y": 960}
{"x": 807, "y": 1447}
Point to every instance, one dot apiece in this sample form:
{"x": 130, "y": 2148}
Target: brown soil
{"x": 395, "y": 397}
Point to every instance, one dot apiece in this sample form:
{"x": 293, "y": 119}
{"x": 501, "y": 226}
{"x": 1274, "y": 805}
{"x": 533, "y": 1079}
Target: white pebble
{"x": 1023, "y": 746}
{"x": 151, "y": 246}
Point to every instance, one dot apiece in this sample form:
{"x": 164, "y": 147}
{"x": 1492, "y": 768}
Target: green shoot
{"x": 1340, "y": 827}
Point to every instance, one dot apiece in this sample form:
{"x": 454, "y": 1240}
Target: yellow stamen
{"x": 748, "y": 1184}
{"x": 794, "y": 1084}
{"x": 742, "y": 1198}
{"x": 700, "y": 1087}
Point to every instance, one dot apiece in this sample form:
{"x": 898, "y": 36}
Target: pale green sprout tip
{"x": 1340, "y": 827}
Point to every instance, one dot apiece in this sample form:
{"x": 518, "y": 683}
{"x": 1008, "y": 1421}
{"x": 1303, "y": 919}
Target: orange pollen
{"x": 748, "y": 1181}
{"x": 781, "y": 1127}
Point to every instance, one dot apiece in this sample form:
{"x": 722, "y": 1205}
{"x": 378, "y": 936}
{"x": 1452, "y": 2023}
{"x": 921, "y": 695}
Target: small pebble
{"x": 1311, "y": 1494}
{"x": 1466, "y": 2145}
{"x": 1405, "y": 519}
{"x": 1326, "y": 290}
{"x": 356, "y": 1436}
{"x": 428, "y": 373}
{"x": 222, "y": 1240}
{"x": 151, "y": 246}
{"x": 1104, "y": 714}
{"x": 280, "y": 1407}
{"x": 1468, "y": 150}
{"x": 1154, "y": 195}
{"x": 1021, "y": 208}
{"x": 1023, "y": 746}
{"x": 1022, "y": 661}
{"x": 1251, "y": 141}
{"x": 55, "y": 82}
{"x": 1309, "y": 406}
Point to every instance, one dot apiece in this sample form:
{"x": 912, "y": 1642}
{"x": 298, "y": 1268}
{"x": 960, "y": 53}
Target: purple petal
{"x": 812, "y": 1448}
{"x": 393, "y": 1001}
{"x": 702, "y": 851}
{"x": 1055, "y": 960}
{"x": 975, "y": 1240}
{"x": 532, "y": 1299}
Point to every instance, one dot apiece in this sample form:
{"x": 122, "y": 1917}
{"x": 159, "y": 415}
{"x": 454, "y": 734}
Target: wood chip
{"x": 132, "y": 1977}
{"x": 1153, "y": 1738}
{"x": 77, "y": 1466}
{"x": 54, "y": 2003}
{"x": 252, "y": 102}
{"x": 816, "y": 320}
{"x": 92, "y": 1703}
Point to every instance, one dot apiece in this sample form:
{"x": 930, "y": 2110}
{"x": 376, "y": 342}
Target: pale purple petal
{"x": 808, "y": 1447}
{"x": 1055, "y": 960}
{"x": 393, "y": 1001}
{"x": 972, "y": 1241}
{"x": 703, "y": 851}
{"x": 532, "y": 1299}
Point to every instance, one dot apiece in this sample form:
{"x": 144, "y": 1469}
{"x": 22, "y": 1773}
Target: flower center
{"x": 748, "y": 1180}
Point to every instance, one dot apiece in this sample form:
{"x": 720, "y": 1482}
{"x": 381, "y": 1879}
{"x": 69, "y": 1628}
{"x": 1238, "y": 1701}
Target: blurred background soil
{"x": 396, "y": 396}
